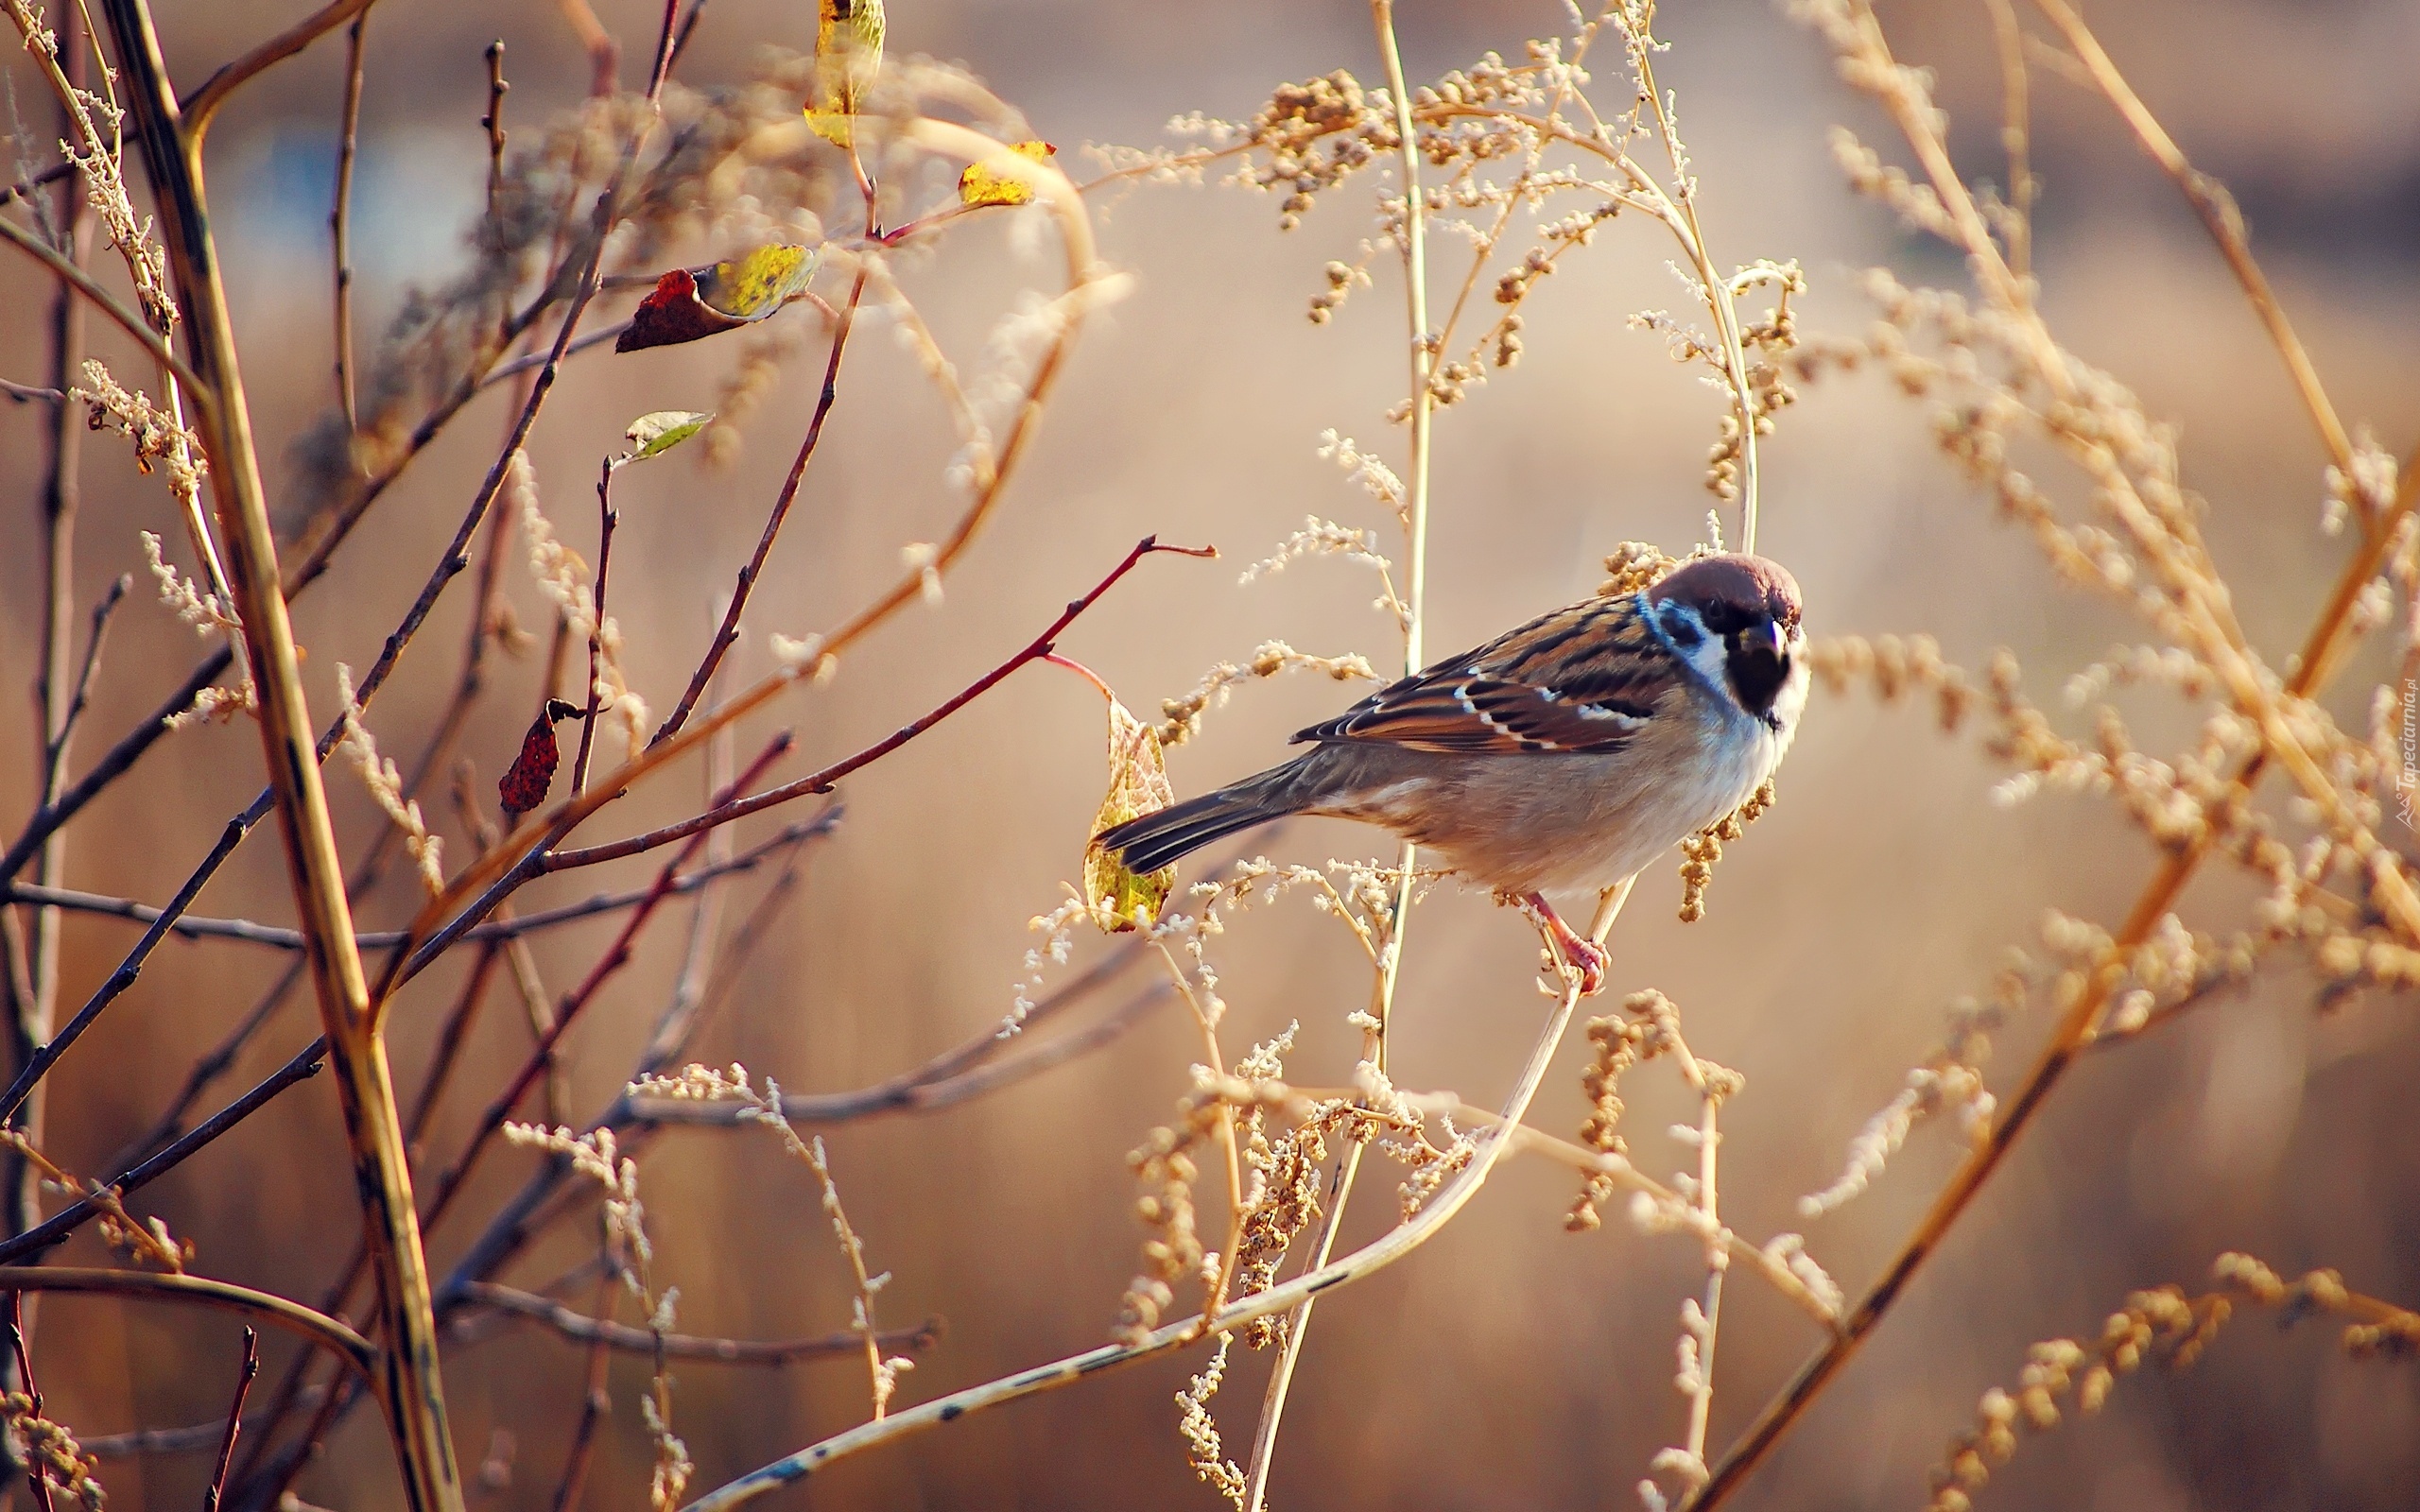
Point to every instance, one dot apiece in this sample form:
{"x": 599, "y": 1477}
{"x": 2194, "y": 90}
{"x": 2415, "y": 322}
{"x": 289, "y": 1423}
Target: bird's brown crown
{"x": 1732, "y": 589}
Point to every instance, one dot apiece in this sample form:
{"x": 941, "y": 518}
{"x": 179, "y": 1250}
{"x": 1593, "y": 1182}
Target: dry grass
{"x": 949, "y": 268}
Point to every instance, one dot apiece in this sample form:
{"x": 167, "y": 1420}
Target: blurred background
{"x": 1508, "y": 1364}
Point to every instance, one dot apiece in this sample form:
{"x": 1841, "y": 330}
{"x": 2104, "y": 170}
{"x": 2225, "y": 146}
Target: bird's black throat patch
{"x": 1757, "y": 673}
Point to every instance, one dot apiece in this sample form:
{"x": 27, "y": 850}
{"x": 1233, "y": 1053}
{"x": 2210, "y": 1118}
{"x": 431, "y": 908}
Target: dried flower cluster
{"x": 2162, "y": 1323}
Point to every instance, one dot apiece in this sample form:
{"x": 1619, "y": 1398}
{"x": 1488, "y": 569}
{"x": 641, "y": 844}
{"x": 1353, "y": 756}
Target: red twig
{"x": 729, "y": 631}
{"x": 1040, "y": 647}
{"x": 663, "y": 65}
{"x": 450, "y": 1185}
{"x": 606, "y": 520}
{"x": 449, "y": 1043}
{"x": 615, "y": 956}
{"x": 250, "y": 1368}
{"x": 36, "y": 1474}
{"x": 594, "y": 1403}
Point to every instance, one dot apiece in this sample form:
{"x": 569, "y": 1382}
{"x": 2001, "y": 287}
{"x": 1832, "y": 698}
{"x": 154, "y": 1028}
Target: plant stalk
{"x": 406, "y": 1363}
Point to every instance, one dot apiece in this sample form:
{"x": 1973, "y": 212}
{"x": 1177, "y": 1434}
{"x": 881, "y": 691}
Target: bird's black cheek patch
{"x": 1757, "y": 675}
{"x": 1680, "y": 629}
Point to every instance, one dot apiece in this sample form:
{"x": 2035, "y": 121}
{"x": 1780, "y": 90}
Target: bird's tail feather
{"x": 1162, "y": 839}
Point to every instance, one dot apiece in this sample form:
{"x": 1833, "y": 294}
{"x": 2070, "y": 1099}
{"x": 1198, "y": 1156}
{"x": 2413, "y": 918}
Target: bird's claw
{"x": 1579, "y": 956}
{"x": 1589, "y": 960}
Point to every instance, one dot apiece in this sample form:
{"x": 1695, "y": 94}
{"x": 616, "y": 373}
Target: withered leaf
{"x": 691, "y": 303}
{"x": 524, "y": 784}
{"x": 652, "y": 436}
{"x": 1138, "y": 784}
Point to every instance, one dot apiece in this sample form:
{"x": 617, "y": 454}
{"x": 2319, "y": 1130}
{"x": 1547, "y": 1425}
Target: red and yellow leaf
{"x": 982, "y": 185}
{"x": 691, "y": 303}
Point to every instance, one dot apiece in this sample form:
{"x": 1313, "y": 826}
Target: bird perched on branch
{"x": 1563, "y": 755}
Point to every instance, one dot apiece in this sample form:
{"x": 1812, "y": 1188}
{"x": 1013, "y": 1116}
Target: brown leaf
{"x": 524, "y": 786}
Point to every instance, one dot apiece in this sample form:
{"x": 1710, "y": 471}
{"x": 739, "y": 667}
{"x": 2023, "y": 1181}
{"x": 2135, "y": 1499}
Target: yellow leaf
{"x": 981, "y": 185}
{"x": 755, "y": 283}
{"x": 831, "y": 126}
{"x": 1138, "y": 784}
{"x": 848, "y": 55}
{"x": 849, "y": 32}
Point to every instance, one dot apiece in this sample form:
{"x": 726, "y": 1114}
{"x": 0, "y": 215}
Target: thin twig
{"x": 528, "y": 361}
{"x": 922, "y": 1091}
{"x": 490, "y": 881}
{"x": 365, "y": 875}
{"x": 83, "y": 282}
{"x": 30, "y": 394}
{"x": 990, "y": 469}
{"x": 453, "y": 1031}
{"x": 2016, "y": 135}
{"x": 519, "y": 1219}
{"x": 38, "y": 1065}
{"x": 55, "y": 1230}
{"x": 536, "y": 1007}
{"x": 250, "y": 1368}
{"x": 727, "y": 634}
{"x": 21, "y": 1364}
{"x": 595, "y": 1400}
{"x": 607, "y": 518}
{"x": 1415, "y": 524}
{"x": 880, "y": 1375}
{"x": 313, "y": 1328}
{"x": 131, "y": 747}
{"x": 37, "y": 1007}
{"x": 197, "y": 108}
{"x": 24, "y": 188}
{"x": 492, "y": 123}
{"x": 2322, "y": 649}
{"x": 449, "y": 1185}
{"x": 450, "y": 565}
{"x": 616, "y": 955}
{"x": 63, "y": 727}
{"x": 251, "y": 932}
{"x": 1373, "y": 1257}
{"x": 162, "y": 1440}
{"x": 2218, "y": 211}
{"x": 633, "y": 1340}
{"x": 45, "y": 821}
{"x": 662, "y": 68}
{"x": 823, "y": 780}
{"x": 1717, "y": 1260}
{"x": 414, "y": 1394}
{"x": 340, "y": 219}
{"x": 604, "y": 52}
{"x": 1719, "y": 297}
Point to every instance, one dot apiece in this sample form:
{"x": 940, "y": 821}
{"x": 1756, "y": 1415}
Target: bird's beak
{"x": 1774, "y": 633}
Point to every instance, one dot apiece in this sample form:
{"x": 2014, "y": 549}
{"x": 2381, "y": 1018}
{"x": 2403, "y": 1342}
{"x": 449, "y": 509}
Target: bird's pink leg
{"x": 1584, "y": 954}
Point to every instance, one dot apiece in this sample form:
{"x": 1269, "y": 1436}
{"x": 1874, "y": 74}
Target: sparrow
{"x": 1564, "y": 755}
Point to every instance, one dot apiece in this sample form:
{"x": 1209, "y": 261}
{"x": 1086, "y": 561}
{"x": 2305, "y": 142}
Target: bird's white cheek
{"x": 1710, "y": 658}
{"x": 1791, "y": 700}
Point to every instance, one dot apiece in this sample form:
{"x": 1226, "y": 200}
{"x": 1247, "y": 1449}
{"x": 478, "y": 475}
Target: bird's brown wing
{"x": 1582, "y": 678}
